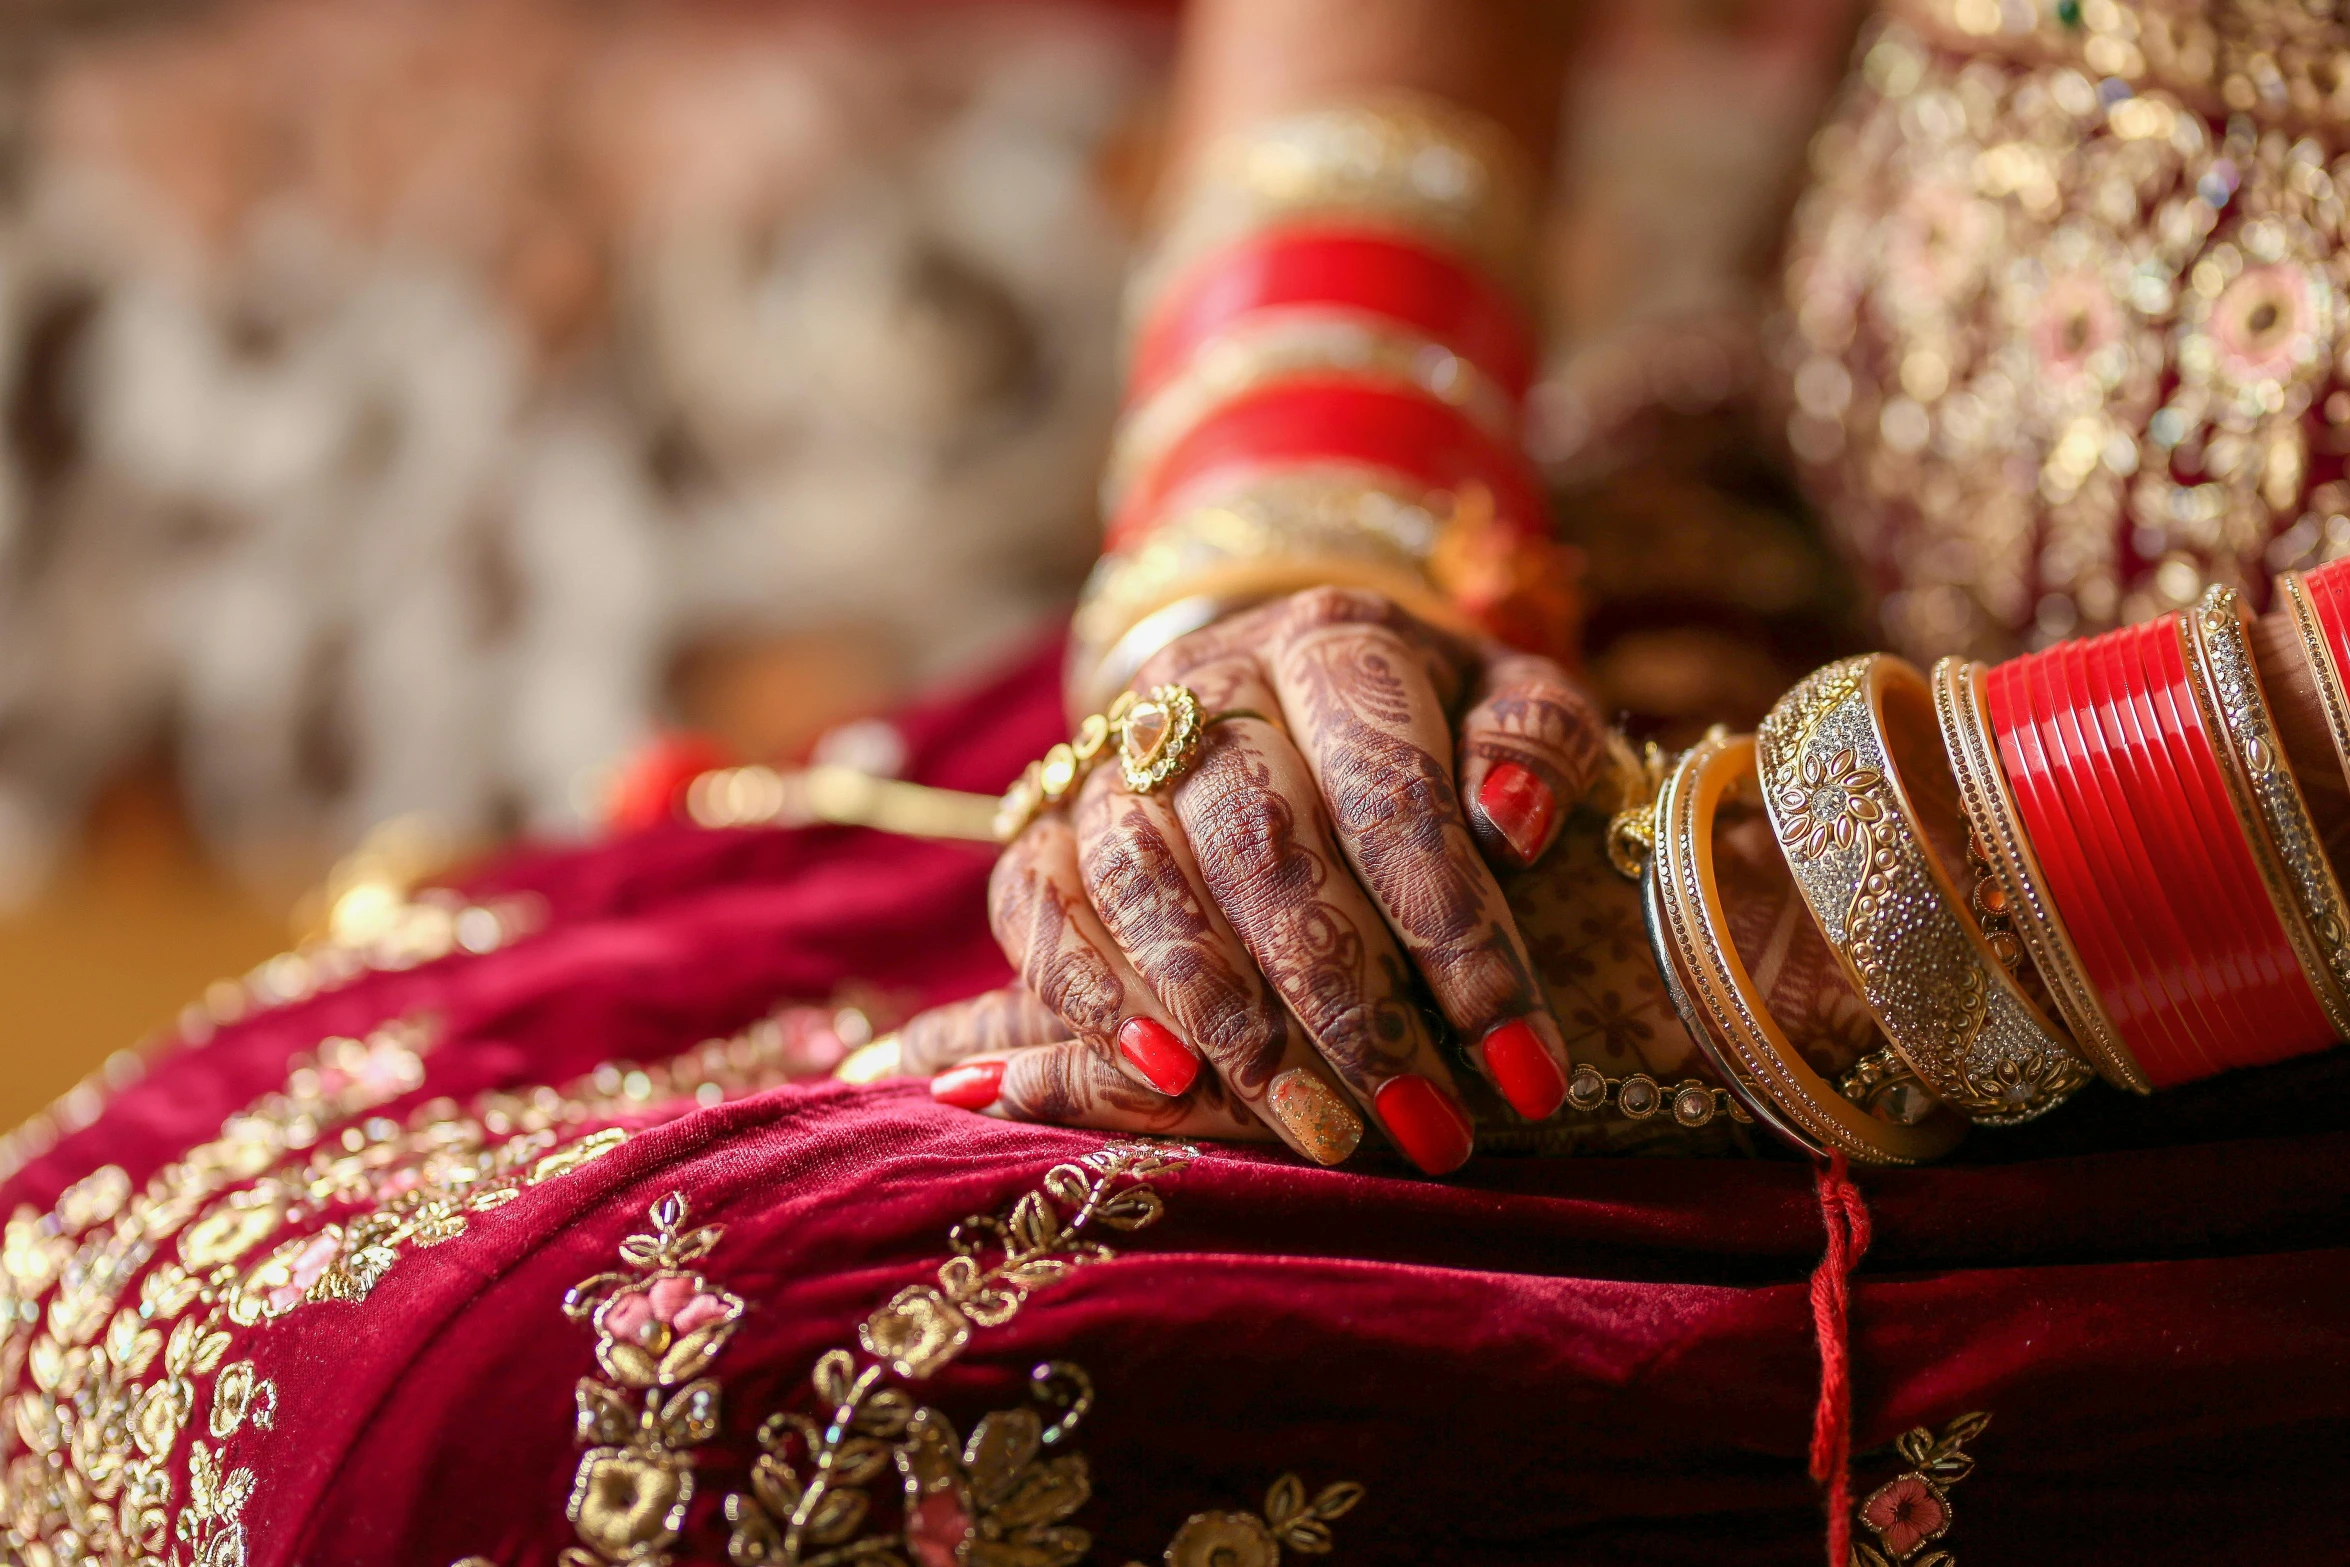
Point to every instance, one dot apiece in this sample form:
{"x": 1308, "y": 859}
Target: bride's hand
{"x": 1283, "y": 908}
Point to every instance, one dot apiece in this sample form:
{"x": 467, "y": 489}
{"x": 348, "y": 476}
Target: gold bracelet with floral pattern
{"x": 1973, "y": 753}
{"x": 2268, "y": 803}
{"x": 1399, "y": 161}
{"x": 1846, "y": 757}
{"x": 1716, "y": 997}
{"x": 1274, "y": 346}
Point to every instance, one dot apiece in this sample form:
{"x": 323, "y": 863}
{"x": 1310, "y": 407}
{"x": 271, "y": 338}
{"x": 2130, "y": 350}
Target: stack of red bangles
{"x": 1327, "y": 373}
{"x": 2130, "y": 823}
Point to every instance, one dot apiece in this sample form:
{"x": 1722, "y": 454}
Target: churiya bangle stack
{"x": 2092, "y": 861}
{"x": 1328, "y": 359}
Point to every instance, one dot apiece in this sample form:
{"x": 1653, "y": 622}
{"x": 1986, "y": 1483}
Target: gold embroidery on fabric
{"x": 997, "y": 1500}
{"x": 97, "y": 1387}
{"x": 1912, "y": 1510}
{"x": 658, "y": 1325}
{"x": 1246, "y": 1540}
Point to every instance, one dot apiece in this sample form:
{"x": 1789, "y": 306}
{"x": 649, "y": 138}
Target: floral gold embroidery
{"x": 997, "y": 1500}
{"x": 99, "y": 1388}
{"x": 658, "y": 1325}
{"x": 1912, "y": 1510}
{"x": 1246, "y": 1540}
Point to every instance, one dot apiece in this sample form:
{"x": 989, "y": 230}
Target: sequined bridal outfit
{"x": 581, "y": 1212}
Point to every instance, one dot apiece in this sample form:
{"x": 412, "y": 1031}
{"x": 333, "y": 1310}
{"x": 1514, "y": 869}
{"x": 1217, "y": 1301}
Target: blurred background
{"x": 410, "y": 407}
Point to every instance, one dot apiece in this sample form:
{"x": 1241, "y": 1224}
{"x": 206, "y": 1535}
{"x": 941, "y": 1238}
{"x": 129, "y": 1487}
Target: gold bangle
{"x": 1832, "y": 755}
{"x": 1399, "y": 161}
{"x": 1294, "y": 344}
{"x": 1267, "y": 533}
{"x": 1973, "y": 752}
{"x": 2268, "y": 803}
{"x": 1712, "y": 990}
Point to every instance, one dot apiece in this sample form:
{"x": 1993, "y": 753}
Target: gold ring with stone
{"x": 1715, "y": 996}
{"x": 1846, "y": 759}
{"x": 1154, "y": 735}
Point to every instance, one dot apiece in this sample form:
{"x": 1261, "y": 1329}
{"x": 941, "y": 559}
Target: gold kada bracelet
{"x": 1717, "y": 998}
{"x": 1846, "y": 757}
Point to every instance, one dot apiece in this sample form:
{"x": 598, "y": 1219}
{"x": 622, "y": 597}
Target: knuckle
{"x": 1319, "y": 608}
{"x": 1247, "y": 840}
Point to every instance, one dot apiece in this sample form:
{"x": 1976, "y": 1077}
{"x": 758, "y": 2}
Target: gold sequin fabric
{"x": 2064, "y": 338}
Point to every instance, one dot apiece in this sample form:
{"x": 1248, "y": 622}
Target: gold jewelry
{"x": 1266, "y": 534}
{"x": 1153, "y": 735}
{"x": 825, "y": 794}
{"x": 1714, "y": 994}
{"x": 1399, "y": 161}
{"x": 1832, "y": 756}
{"x": 1288, "y": 345}
{"x": 2269, "y": 807}
{"x": 1692, "y": 1102}
{"x": 1973, "y": 753}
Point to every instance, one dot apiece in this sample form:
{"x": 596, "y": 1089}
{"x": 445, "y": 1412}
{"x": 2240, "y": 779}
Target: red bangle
{"x": 1378, "y": 274}
{"x": 2119, "y": 786}
{"x": 2151, "y": 938}
{"x": 2328, "y": 588}
{"x": 2284, "y": 1003}
{"x": 1342, "y": 422}
{"x": 2212, "y": 913}
{"x": 2072, "y": 883}
{"x": 2129, "y": 770}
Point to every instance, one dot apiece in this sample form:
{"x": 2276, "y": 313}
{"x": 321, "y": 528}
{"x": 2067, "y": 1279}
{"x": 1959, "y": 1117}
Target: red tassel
{"x": 1846, "y": 1218}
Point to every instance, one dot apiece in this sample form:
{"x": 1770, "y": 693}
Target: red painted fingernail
{"x": 1524, "y": 1070}
{"x": 1155, "y": 1052}
{"x": 1432, "y": 1131}
{"x": 1521, "y": 805}
{"x": 974, "y": 1086}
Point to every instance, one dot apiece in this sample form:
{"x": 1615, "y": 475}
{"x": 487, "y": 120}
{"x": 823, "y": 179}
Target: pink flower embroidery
{"x": 304, "y": 1269}
{"x": 936, "y": 1529}
{"x": 1906, "y": 1511}
{"x": 656, "y": 1314}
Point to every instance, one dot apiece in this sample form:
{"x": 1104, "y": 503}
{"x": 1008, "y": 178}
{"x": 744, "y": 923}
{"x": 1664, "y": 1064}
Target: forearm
{"x": 1331, "y": 328}
{"x": 1246, "y": 61}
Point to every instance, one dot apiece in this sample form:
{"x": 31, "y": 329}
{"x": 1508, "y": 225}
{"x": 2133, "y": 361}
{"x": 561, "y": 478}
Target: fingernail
{"x": 973, "y": 1086}
{"x": 1432, "y": 1131}
{"x": 1324, "y": 1125}
{"x": 1151, "y": 1047}
{"x": 1521, "y": 805}
{"x": 1528, "y": 1076}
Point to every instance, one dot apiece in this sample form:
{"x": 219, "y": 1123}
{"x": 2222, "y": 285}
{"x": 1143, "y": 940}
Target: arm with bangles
{"x": 1313, "y": 909}
{"x": 1375, "y": 867}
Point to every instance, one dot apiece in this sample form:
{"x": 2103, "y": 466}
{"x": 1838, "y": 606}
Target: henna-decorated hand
{"x": 1285, "y": 909}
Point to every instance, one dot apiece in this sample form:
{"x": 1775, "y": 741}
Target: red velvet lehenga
{"x": 396, "y": 1299}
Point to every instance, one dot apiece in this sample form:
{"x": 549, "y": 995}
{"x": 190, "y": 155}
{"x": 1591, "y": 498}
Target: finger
{"x": 1375, "y": 734}
{"x": 1146, "y": 886}
{"x": 1046, "y": 926}
{"x": 1531, "y": 746}
{"x": 1073, "y": 1084}
{"x": 1254, "y": 818}
{"x": 994, "y": 1023}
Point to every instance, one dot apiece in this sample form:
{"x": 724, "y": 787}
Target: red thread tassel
{"x": 1846, "y": 1219}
